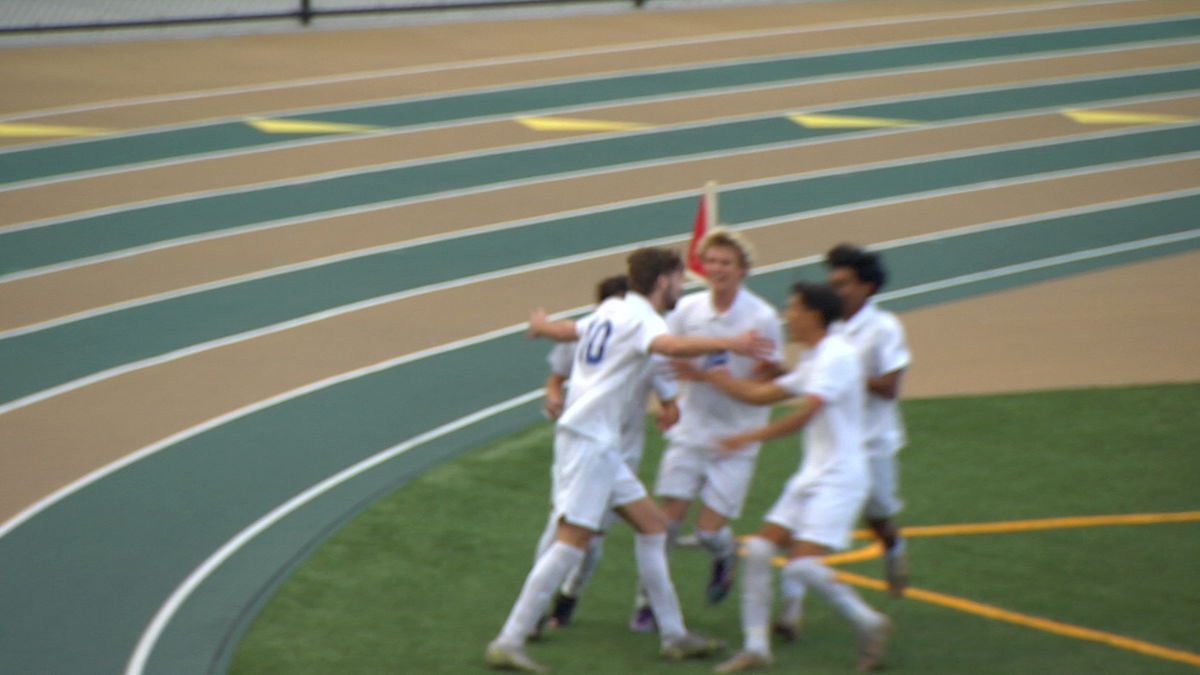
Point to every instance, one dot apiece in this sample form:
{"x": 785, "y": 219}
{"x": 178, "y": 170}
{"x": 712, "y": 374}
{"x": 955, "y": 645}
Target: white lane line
{"x": 556, "y": 55}
{"x": 197, "y": 348}
{"x": 193, "y": 581}
{"x": 141, "y": 653}
{"x": 365, "y": 208}
{"x": 545, "y": 56}
{"x": 509, "y": 225}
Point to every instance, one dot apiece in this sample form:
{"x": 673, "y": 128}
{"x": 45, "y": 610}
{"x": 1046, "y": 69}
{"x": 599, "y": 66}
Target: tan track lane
{"x": 41, "y": 83}
{"x": 69, "y": 197}
{"x": 100, "y": 423}
{"x": 44, "y": 297}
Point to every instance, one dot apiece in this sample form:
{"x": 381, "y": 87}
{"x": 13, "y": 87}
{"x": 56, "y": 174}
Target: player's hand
{"x": 752, "y": 344}
{"x": 667, "y": 415}
{"x": 733, "y": 443}
{"x": 537, "y": 321}
{"x": 552, "y": 406}
{"x": 686, "y": 370}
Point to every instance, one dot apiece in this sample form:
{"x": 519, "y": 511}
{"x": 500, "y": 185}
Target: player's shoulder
{"x": 753, "y": 302}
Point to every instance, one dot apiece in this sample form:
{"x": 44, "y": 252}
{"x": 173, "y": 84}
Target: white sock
{"x": 546, "y": 575}
{"x": 756, "y": 595}
{"x": 651, "y": 553}
{"x": 810, "y": 571}
{"x": 719, "y": 543}
{"x": 792, "y": 599}
{"x": 578, "y": 577}
{"x": 547, "y": 538}
{"x": 673, "y": 529}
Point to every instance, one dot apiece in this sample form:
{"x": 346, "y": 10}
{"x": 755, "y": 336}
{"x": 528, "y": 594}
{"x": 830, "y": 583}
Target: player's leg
{"x": 568, "y": 594}
{"x": 679, "y": 477}
{"x": 583, "y": 480}
{"x": 650, "y": 551}
{"x": 726, "y": 482}
{"x": 566, "y": 552}
{"x": 760, "y": 548}
{"x": 827, "y": 525}
{"x": 883, "y": 503}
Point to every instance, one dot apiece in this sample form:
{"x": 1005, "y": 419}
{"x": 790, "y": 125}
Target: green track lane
{"x": 60, "y": 242}
{"x": 241, "y": 470}
{"x": 32, "y": 361}
{"x": 98, "y": 153}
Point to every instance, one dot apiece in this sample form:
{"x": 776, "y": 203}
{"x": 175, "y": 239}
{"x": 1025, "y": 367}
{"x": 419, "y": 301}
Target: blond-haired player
{"x": 693, "y": 466}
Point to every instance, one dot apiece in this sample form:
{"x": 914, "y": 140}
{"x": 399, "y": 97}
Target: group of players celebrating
{"x": 715, "y": 364}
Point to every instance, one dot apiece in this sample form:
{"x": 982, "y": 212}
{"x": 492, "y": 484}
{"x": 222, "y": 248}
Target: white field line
{"x": 586, "y": 107}
{"x": 193, "y": 581}
{"x": 641, "y": 164}
{"x": 545, "y": 56}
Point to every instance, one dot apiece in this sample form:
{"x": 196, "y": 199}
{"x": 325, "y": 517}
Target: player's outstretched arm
{"x": 748, "y": 390}
{"x": 749, "y": 343}
{"x": 781, "y": 426}
{"x": 562, "y": 330}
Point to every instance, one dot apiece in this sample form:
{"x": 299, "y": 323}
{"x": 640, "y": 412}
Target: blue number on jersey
{"x": 597, "y": 340}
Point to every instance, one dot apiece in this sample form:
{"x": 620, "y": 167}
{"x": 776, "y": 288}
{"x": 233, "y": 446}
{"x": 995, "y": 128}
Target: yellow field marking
{"x": 1044, "y": 524}
{"x": 577, "y": 124}
{"x": 875, "y": 549}
{"x": 1122, "y": 117}
{"x": 274, "y": 126}
{"x": 815, "y": 121}
{"x": 18, "y": 130}
{"x": 1048, "y": 625}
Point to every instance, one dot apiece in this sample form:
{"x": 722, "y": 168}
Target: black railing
{"x": 304, "y": 11}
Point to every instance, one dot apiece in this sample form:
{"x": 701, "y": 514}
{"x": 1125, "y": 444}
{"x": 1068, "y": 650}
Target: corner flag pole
{"x": 706, "y": 219}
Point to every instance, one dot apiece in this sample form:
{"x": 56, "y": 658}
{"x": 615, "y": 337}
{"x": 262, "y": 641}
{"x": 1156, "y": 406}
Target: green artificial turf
{"x": 423, "y": 579}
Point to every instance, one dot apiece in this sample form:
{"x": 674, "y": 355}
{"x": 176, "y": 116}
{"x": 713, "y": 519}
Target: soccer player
{"x": 588, "y": 476}
{"x": 633, "y": 439}
{"x": 693, "y": 465}
{"x": 815, "y": 514}
{"x": 856, "y": 275}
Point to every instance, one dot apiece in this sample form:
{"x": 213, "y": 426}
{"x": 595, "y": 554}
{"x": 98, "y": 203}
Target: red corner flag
{"x": 706, "y": 219}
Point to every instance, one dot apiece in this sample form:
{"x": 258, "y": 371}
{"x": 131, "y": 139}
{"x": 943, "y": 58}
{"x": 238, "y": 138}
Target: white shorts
{"x": 883, "y": 501}
{"x": 823, "y": 513}
{"x": 720, "y": 479}
{"x": 588, "y": 479}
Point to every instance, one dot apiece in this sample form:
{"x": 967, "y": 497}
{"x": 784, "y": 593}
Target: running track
{"x": 232, "y": 318}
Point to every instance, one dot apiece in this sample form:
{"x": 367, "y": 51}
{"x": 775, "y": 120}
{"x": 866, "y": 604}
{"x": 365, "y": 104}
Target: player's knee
{"x": 759, "y": 550}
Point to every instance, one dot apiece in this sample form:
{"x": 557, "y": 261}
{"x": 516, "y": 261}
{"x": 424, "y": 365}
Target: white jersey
{"x": 706, "y": 413}
{"x": 609, "y": 364}
{"x": 833, "y": 441}
{"x": 655, "y": 376}
{"x": 879, "y": 339}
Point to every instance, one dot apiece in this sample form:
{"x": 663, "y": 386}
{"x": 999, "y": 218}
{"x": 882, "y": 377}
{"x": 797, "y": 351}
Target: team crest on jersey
{"x": 716, "y": 359}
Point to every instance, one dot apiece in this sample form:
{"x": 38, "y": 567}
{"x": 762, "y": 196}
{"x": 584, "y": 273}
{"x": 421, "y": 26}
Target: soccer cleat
{"x": 564, "y": 605}
{"x": 689, "y": 540}
{"x": 787, "y": 631}
{"x": 872, "y": 642}
{"x": 895, "y": 570}
{"x": 510, "y": 657}
{"x": 723, "y": 570}
{"x": 745, "y": 660}
{"x": 643, "y": 620}
{"x": 690, "y": 646}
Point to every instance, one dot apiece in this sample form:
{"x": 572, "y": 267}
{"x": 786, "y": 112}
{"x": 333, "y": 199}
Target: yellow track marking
{"x": 815, "y": 121}
{"x": 274, "y": 126}
{"x": 577, "y": 124}
{"x": 18, "y": 130}
{"x": 1121, "y": 117}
